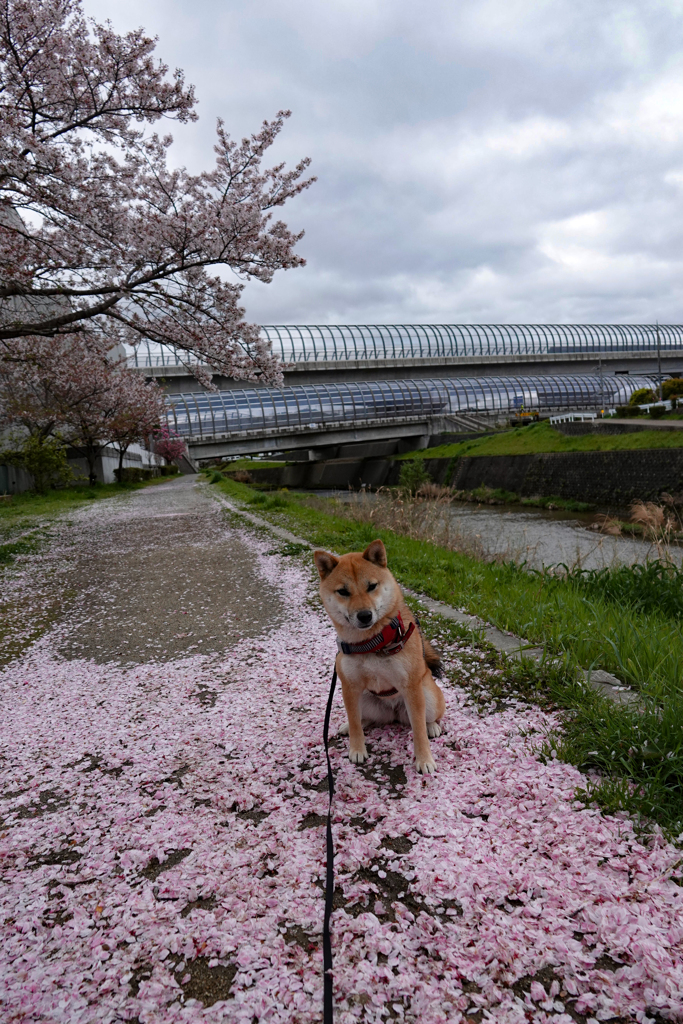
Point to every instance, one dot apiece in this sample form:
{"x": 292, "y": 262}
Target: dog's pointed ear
{"x": 325, "y": 563}
{"x": 376, "y": 553}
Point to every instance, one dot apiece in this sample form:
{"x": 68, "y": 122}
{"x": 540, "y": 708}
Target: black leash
{"x": 328, "y": 1014}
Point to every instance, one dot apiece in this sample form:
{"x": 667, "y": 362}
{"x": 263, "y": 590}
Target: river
{"x": 535, "y": 536}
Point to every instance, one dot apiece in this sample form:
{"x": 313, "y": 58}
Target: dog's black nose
{"x": 364, "y": 617}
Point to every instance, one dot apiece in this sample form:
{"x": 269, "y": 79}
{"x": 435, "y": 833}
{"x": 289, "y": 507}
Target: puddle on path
{"x": 537, "y": 537}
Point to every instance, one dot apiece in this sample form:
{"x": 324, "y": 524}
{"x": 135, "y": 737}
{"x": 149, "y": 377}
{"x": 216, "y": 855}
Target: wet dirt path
{"x": 162, "y": 576}
{"x": 152, "y": 575}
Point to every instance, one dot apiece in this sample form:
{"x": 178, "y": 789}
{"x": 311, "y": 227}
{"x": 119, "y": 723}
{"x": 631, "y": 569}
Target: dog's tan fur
{"x": 358, "y": 584}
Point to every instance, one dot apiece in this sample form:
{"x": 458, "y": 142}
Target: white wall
{"x": 14, "y": 480}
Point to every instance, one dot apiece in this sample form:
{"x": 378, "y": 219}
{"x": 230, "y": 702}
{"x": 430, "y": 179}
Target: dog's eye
{"x": 343, "y": 592}
{"x": 371, "y": 586}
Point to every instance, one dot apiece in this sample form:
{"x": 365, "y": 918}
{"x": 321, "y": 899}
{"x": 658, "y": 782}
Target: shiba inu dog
{"x": 384, "y": 665}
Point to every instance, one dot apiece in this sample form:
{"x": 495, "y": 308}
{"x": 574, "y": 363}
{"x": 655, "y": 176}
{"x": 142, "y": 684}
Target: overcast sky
{"x": 478, "y": 160}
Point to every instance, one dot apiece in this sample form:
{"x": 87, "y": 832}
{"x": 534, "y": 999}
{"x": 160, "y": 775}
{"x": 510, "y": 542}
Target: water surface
{"x": 536, "y": 536}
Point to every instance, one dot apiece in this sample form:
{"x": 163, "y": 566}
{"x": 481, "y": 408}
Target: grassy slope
{"x": 246, "y": 463}
{"x": 644, "y": 648}
{"x": 542, "y": 437}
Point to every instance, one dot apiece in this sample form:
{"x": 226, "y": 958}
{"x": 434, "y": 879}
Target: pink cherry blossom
{"x": 168, "y": 444}
{"x": 146, "y": 832}
{"x": 79, "y": 392}
{"x": 98, "y": 235}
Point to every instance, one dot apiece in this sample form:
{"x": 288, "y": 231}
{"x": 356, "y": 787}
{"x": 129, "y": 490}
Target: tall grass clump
{"x": 655, "y": 587}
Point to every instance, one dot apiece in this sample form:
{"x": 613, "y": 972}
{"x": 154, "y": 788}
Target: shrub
{"x": 44, "y": 458}
{"x": 642, "y": 396}
{"x": 673, "y": 387}
{"x": 657, "y": 411}
{"x": 269, "y": 501}
{"x": 215, "y": 476}
{"x": 171, "y": 470}
{"x": 134, "y": 475}
{"x": 626, "y": 410}
{"x": 413, "y": 475}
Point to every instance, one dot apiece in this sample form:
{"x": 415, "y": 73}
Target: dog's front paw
{"x": 343, "y": 730}
{"x": 426, "y": 767}
{"x": 358, "y": 756}
{"x": 433, "y": 730}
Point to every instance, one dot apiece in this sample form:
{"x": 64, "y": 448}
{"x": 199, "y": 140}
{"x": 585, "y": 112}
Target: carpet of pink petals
{"x": 106, "y": 768}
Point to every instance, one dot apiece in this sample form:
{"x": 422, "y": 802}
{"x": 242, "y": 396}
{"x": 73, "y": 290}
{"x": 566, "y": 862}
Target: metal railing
{"x": 316, "y": 407}
{"x": 320, "y": 343}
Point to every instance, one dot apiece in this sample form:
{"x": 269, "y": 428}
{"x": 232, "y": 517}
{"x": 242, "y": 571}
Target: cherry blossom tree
{"x": 99, "y": 236}
{"x": 168, "y": 444}
{"x": 113, "y": 405}
{"x": 139, "y": 411}
{"x": 75, "y": 391}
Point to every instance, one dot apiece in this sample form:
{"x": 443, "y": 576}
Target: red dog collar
{"x": 391, "y": 640}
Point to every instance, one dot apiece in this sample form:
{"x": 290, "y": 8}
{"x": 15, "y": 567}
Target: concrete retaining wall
{"x": 603, "y": 478}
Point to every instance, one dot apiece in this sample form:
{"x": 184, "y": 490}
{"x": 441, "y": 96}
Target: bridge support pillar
{"x": 413, "y": 444}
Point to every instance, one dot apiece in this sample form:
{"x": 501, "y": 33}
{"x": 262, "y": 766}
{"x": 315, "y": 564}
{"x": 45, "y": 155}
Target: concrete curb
{"x": 512, "y": 646}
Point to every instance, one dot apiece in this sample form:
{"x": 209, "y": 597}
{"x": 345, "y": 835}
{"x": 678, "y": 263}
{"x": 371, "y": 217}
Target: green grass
{"x": 541, "y": 437}
{"x": 499, "y": 496}
{"x": 655, "y": 588}
{"x": 609, "y": 621}
{"x": 232, "y": 467}
{"x": 21, "y": 547}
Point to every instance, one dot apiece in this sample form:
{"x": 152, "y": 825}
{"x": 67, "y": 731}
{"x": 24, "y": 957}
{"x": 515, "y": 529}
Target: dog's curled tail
{"x": 433, "y": 659}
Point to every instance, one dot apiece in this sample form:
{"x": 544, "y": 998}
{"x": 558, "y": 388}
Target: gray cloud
{"x": 484, "y": 160}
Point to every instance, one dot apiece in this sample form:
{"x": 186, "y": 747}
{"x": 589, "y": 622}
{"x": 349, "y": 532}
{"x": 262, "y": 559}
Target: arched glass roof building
{"x": 322, "y": 343}
{"x": 205, "y": 415}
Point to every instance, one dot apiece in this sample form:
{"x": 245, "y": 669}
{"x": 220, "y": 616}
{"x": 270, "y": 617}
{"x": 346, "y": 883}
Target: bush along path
{"x": 162, "y": 835}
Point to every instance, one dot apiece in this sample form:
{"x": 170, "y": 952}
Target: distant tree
{"x": 168, "y": 444}
{"x": 113, "y": 244}
{"x": 113, "y": 405}
{"x": 137, "y": 417}
{"x": 76, "y": 391}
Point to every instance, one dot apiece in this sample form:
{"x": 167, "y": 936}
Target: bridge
{"x": 346, "y": 385}
{"x": 329, "y": 354}
{"x": 244, "y": 421}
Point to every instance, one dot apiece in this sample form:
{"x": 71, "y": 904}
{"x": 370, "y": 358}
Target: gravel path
{"x": 147, "y": 576}
{"x": 161, "y": 576}
{"x": 162, "y": 815}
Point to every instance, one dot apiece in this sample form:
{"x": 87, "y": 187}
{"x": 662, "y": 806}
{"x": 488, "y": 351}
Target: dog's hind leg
{"x": 435, "y": 707}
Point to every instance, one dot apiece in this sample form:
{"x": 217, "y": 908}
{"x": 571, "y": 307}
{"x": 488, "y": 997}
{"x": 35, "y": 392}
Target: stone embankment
{"x": 610, "y": 479}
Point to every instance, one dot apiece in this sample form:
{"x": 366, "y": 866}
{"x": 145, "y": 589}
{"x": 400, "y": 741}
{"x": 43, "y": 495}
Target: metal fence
{"x": 304, "y": 344}
{"x": 314, "y": 407}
